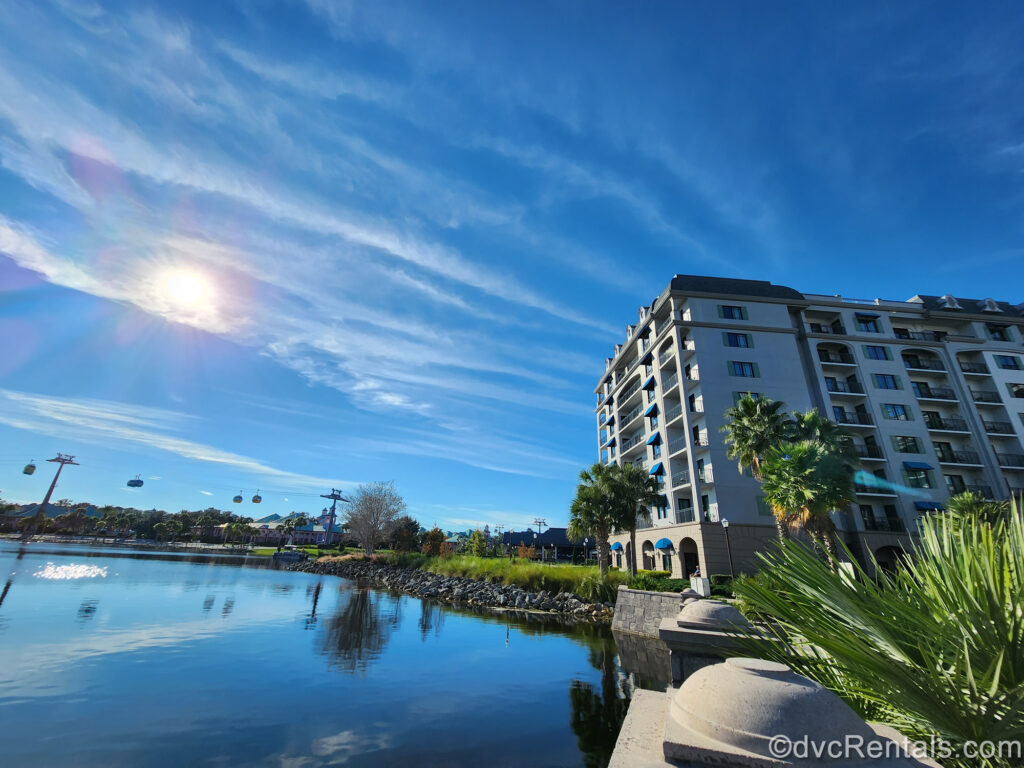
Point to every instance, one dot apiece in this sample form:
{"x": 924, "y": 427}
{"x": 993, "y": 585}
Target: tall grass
{"x": 585, "y": 581}
{"x": 935, "y": 649}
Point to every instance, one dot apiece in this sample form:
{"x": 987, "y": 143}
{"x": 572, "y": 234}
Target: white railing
{"x": 670, "y": 382}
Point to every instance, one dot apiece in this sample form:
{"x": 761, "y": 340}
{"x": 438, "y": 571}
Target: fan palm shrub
{"x": 935, "y": 649}
{"x": 634, "y": 492}
{"x": 592, "y": 512}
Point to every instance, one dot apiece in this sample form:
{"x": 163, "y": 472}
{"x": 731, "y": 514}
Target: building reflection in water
{"x": 597, "y": 714}
{"x": 358, "y": 633}
{"x": 315, "y": 592}
{"x": 87, "y": 610}
{"x": 431, "y": 618}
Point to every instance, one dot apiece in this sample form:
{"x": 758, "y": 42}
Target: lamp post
{"x": 728, "y": 546}
{"x": 535, "y": 545}
{"x": 586, "y": 550}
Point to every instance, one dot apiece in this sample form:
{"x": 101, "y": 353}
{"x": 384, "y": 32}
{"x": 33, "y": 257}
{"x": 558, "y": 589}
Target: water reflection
{"x": 358, "y": 633}
{"x": 311, "y": 619}
{"x": 432, "y": 619}
{"x": 597, "y": 715}
{"x": 87, "y": 610}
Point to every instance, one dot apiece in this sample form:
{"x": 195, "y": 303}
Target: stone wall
{"x": 641, "y": 612}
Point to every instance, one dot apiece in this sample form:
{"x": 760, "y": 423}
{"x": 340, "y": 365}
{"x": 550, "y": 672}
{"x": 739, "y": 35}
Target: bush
{"x": 721, "y": 585}
{"x": 658, "y": 581}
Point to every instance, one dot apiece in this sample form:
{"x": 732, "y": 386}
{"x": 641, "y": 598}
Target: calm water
{"x": 134, "y": 659}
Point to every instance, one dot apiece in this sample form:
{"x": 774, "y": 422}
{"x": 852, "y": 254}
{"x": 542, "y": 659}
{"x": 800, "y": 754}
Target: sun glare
{"x": 186, "y": 289}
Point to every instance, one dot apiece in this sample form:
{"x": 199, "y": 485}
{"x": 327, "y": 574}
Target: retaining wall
{"x": 641, "y": 612}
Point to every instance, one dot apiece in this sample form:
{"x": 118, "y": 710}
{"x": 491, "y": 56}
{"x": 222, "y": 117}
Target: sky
{"x": 290, "y": 246}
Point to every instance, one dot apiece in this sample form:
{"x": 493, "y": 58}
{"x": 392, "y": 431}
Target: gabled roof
{"x": 551, "y": 537}
{"x": 733, "y": 286}
{"x": 970, "y": 306}
{"x": 267, "y": 519}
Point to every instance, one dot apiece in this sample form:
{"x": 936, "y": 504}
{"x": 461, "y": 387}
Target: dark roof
{"x": 729, "y": 285}
{"x": 969, "y": 306}
{"x": 551, "y": 537}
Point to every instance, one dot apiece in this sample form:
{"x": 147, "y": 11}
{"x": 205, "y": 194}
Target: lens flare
{"x": 184, "y": 288}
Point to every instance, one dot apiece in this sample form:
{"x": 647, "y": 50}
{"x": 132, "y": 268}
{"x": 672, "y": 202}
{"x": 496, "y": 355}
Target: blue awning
{"x": 647, "y": 357}
{"x": 663, "y": 544}
{"x": 928, "y": 505}
{"x": 651, "y": 409}
{"x": 649, "y": 383}
{"x": 657, "y": 469}
{"x": 610, "y": 422}
{"x": 611, "y": 442}
{"x": 654, "y": 439}
{"x": 917, "y": 465}
{"x": 616, "y": 547}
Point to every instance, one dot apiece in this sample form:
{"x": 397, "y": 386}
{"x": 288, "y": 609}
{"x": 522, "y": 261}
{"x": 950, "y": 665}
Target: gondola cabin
{"x": 237, "y": 499}
{"x": 30, "y": 469}
{"x": 257, "y": 498}
{"x": 135, "y": 483}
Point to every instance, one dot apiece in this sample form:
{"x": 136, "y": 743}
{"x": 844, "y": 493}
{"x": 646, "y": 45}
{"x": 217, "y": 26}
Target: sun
{"x": 184, "y": 288}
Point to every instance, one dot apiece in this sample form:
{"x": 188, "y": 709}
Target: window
{"x": 737, "y": 396}
{"x": 656, "y": 450}
{"x": 906, "y": 444}
{"x": 1016, "y": 390}
{"x": 732, "y": 312}
{"x": 887, "y": 381}
{"x": 739, "y": 368}
{"x": 738, "y": 339}
{"x": 867, "y": 323}
{"x": 762, "y": 507}
{"x": 1008, "y": 362}
{"x": 872, "y": 352}
{"x": 685, "y": 510}
{"x": 654, "y": 423}
{"x": 895, "y": 412}
{"x": 666, "y": 562}
{"x": 918, "y": 478}
{"x": 998, "y": 331}
{"x": 867, "y": 514}
{"x": 955, "y": 484}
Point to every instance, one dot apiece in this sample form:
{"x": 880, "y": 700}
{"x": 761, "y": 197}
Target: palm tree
{"x": 593, "y": 511}
{"x": 971, "y": 505}
{"x": 803, "y": 482}
{"x": 289, "y": 526}
{"x": 755, "y": 425}
{"x": 634, "y": 492}
{"x": 811, "y": 425}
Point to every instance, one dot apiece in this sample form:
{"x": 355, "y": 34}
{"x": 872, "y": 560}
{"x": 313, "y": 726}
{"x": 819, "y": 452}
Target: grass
{"x": 311, "y": 551}
{"x": 584, "y": 581}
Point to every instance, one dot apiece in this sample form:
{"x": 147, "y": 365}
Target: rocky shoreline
{"x": 458, "y": 590}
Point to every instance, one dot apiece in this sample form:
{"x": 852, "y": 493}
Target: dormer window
{"x": 989, "y": 305}
{"x": 949, "y": 302}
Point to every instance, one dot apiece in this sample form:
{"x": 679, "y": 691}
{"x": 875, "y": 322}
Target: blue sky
{"x": 412, "y": 232}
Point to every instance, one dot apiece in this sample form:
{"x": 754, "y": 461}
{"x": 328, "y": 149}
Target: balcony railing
{"x": 869, "y": 451}
{"x": 700, "y": 442}
{"x": 689, "y": 345}
{"x": 985, "y": 396}
{"x": 685, "y": 515}
{"x": 707, "y": 476}
{"x": 627, "y": 444}
{"x": 872, "y": 490}
{"x": 626, "y": 395}
{"x": 844, "y": 387}
{"x": 948, "y": 425}
{"x": 923, "y": 365}
{"x": 628, "y": 418}
{"x": 935, "y": 393}
{"x": 679, "y": 479}
{"x": 998, "y": 427}
{"x": 892, "y": 525}
{"x": 1010, "y": 459}
{"x": 643, "y": 521}
{"x": 670, "y": 382}
{"x": 693, "y": 377}
{"x": 837, "y": 330}
{"x": 851, "y": 417}
{"x": 673, "y": 411}
{"x": 903, "y": 333}
{"x": 842, "y": 358}
{"x": 675, "y": 446}
{"x": 958, "y": 457}
{"x": 665, "y": 356}
{"x": 973, "y": 367}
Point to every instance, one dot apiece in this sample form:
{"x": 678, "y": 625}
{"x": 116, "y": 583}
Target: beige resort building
{"x": 931, "y": 389}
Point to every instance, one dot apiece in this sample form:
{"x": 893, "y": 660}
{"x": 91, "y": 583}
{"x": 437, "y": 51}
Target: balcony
{"x": 693, "y": 377}
{"x": 673, "y": 412}
{"x": 707, "y": 477}
{"x": 903, "y": 333}
{"x": 869, "y": 452}
{"x": 985, "y": 396}
{"x": 700, "y": 442}
{"x": 670, "y": 382}
{"x": 675, "y": 446}
{"x": 851, "y": 418}
{"x": 629, "y": 417}
{"x": 844, "y": 387}
{"x": 680, "y": 479}
{"x": 936, "y": 424}
{"x": 689, "y": 345}
{"x": 835, "y": 330}
{"x": 644, "y": 521}
{"x": 633, "y": 389}
{"x": 958, "y": 457}
{"x": 978, "y": 369}
{"x": 870, "y": 490}
{"x": 998, "y": 427}
{"x": 685, "y": 515}
{"x": 919, "y": 364}
{"x": 891, "y": 525}
{"x": 835, "y": 358}
{"x": 632, "y": 442}
{"x": 1013, "y": 460}
{"x": 934, "y": 393}
{"x": 665, "y": 356}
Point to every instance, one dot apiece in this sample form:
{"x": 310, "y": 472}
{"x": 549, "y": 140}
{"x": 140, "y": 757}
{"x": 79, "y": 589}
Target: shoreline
{"x": 458, "y": 590}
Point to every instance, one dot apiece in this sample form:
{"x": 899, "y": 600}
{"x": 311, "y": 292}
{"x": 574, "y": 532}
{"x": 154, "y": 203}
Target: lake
{"x": 118, "y": 658}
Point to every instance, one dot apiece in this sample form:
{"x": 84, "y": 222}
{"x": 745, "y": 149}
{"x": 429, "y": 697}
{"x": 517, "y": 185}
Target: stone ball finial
{"x": 711, "y": 615}
{"x": 729, "y": 713}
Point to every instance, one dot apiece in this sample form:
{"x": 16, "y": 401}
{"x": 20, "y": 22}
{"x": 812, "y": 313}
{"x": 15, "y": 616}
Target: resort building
{"x": 931, "y": 389}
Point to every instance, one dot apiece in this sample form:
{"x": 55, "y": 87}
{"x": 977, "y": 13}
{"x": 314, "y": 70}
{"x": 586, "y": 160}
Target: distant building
{"x": 931, "y": 389}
